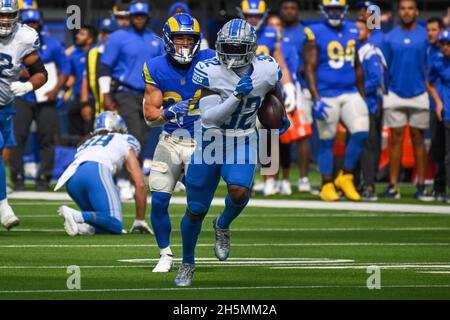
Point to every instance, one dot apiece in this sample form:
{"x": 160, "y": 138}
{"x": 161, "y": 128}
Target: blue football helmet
{"x": 236, "y": 44}
{"x": 444, "y": 36}
{"x": 7, "y": 25}
{"x": 254, "y": 8}
{"x": 30, "y": 15}
{"x": 139, "y": 8}
{"x": 334, "y": 19}
{"x": 182, "y": 24}
{"x": 111, "y": 122}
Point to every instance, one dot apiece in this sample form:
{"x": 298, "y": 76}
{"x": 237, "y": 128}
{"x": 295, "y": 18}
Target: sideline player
{"x": 169, "y": 85}
{"x": 334, "y": 76}
{"x": 18, "y": 46}
{"x": 234, "y": 85}
{"x": 90, "y": 183}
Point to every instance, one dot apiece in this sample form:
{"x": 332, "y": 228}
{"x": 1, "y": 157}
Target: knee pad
{"x": 197, "y": 208}
{"x": 195, "y": 217}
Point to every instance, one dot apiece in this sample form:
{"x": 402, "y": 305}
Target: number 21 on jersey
{"x": 338, "y": 55}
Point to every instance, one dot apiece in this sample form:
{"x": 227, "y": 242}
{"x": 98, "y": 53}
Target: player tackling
{"x": 234, "y": 85}
{"x": 18, "y": 46}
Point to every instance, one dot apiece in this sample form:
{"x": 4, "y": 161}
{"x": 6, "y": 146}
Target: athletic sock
{"x": 190, "y": 231}
{"x": 160, "y": 218}
{"x": 104, "y": 221}
{"x": 231, "y": 212}
{"x": 355, "y": 149}
{"x": 166, "y": 252}
{"x": 2, "y": 179}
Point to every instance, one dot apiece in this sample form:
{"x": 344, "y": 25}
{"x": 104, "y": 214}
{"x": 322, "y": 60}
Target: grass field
{"x": 277, "y": 253}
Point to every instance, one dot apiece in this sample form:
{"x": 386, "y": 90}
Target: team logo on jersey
{"x": 183, "y": 82}
{"x": 407, "y": 41}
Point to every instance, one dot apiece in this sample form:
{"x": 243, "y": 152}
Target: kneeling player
{"x": 334, "y": 76}
{"x": 89, "y": 180}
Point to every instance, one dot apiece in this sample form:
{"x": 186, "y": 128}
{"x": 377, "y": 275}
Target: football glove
{"x": 19, "y": 88}
{"x": 319, "y": 110}
{"x": 141, "y": 226}
{"x": 244, "y": 87}
{"x": 177, "y": 111}
{"x": 286, "y": 126}
{"x": 290, "y": 100}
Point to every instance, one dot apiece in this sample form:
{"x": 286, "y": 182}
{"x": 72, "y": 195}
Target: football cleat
{"x": 184, "y": 275}
{"x": 328, "y": 193}
{"x": 369, "y": 195}
{"x": 285, "y": 188}
{"x": 70, "y": 225}
{"x": 422, "y": 194}
{"x": 7, "y": 217}
{"x": 222, "y": 243}
{"x": 270, "y": 187}
{"x": 344, "y": 182}
{"x": 392, "y": 192}
{"x": 85, "y": 229}
{"x": 304, "y": 185}
{"x": 165, "y": 264}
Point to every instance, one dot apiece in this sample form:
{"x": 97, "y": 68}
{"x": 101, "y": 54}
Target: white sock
{"x": 77, "y": 216}
{"x": 166, "y": 251}
{"x": 4, "y": 203}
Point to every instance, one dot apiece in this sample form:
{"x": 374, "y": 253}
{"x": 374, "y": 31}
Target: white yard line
{"x": 223, "y": 288}
{"x": 260, "y": 203}
{"x": 245, "y": 245}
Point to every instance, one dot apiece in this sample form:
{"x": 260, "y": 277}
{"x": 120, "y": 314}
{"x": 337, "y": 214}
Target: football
{"x": 271, "y": 112}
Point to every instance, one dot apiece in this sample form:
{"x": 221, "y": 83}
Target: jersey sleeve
{"x": 309, "y": 34}
{"x": 201, "y": 76}
{"x": 30, "y": 41}
{"x": 61, "y": 60}
{"x": 149, "y": 75}
{"x": 433, "y": 72}
{"x": 273, "y": 71}
{"x": 112, "y": 49}
{"x": 133, "y": 144}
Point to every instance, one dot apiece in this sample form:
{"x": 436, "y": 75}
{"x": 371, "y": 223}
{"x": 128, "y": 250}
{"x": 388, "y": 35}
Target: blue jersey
{"x": 176, "y": 85}
{"x": 336, "y": 62}
{"x": 51, "y": 51}
{"x": 377, "y": 38}
{"x": 406, "y": 55}
{"x": 433, "y": 54}
{"x": 126, "y": 51}
{"x": 291, "y": 58}
{"x": 440, "y": 70}
{"x": 268, "y": 38}
{"x": 295, "y": 37}
{"x": 78, "y": 67}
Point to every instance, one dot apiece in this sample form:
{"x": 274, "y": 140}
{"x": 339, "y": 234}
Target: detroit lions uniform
{"x": 336, "y": 78}
{"x": 89, "y": 179}
{"x": 176, "y": 85}
{"x": 202, "y": 178}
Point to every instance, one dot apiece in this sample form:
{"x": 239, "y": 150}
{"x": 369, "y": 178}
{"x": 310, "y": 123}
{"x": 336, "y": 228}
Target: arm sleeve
{"x": 214, "y": 112}
{"x": 148, "y": 76}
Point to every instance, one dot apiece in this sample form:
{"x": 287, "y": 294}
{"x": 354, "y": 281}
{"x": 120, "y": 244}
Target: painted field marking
{"x": 261, "y": 203}
{"x": 224, "y": 288}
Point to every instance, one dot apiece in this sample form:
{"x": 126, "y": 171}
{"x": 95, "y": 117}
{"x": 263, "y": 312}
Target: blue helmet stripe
{"x": 235, "y": 28}
{"x": 7, "y": 3}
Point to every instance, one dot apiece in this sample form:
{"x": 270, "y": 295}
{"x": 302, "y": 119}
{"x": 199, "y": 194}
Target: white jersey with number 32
{"x": 13, "y": 49}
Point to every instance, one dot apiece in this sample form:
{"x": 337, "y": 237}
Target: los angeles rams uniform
{"x": 89, "y": 179}
{"x": 268, "y": 37}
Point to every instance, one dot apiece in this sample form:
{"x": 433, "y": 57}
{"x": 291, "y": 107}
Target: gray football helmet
{"x": 9, "y": 15}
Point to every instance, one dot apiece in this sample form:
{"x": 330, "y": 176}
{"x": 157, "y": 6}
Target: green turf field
{"x": 276, "y": 254}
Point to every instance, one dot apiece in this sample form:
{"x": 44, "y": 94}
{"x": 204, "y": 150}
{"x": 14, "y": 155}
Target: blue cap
{"x": 444, "y": 36}
{"x": 178, "y": 5}
{"x": 31, "y": 15}
{"x": 139, "y": 8}
{"x": 364, "y": 4}
{"x": 108, "y": 24}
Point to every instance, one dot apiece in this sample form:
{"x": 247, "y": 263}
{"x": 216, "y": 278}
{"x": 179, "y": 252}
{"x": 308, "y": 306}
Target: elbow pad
{"x": 37, "y": 67}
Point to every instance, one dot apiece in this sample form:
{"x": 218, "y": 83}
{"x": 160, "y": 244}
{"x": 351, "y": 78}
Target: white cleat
{"x": 285, "y": 188}
{"x": 165, "y": 264}
{"x": 179, "y": 187}
{"x": 70, "y": 225}
{"x": 304, "y": 185}
{"x": 270, "y": 187}
{"x": 85, "y": 229}
{"x": 7, "y": 217}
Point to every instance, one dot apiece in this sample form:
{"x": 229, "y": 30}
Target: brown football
{"x": 271, "y": 112}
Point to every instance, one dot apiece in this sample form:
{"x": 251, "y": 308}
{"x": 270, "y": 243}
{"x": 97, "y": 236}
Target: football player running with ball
{"x": 234, "y": 85}
{"x": 169, "y": 85}
{"x": 336, "y": 82}
{"x": 18, "y": 46}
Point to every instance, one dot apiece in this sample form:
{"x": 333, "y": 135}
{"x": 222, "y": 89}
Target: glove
{"x": 141, "y": 226}
{"x": 177, "y": 111}
{"x": 286, "y": 126}
{"x": 244, "y": 87}
{"x": 19, "y": 88}
{"x": 290, "y": 100}
{"x": 319, "y": 110}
